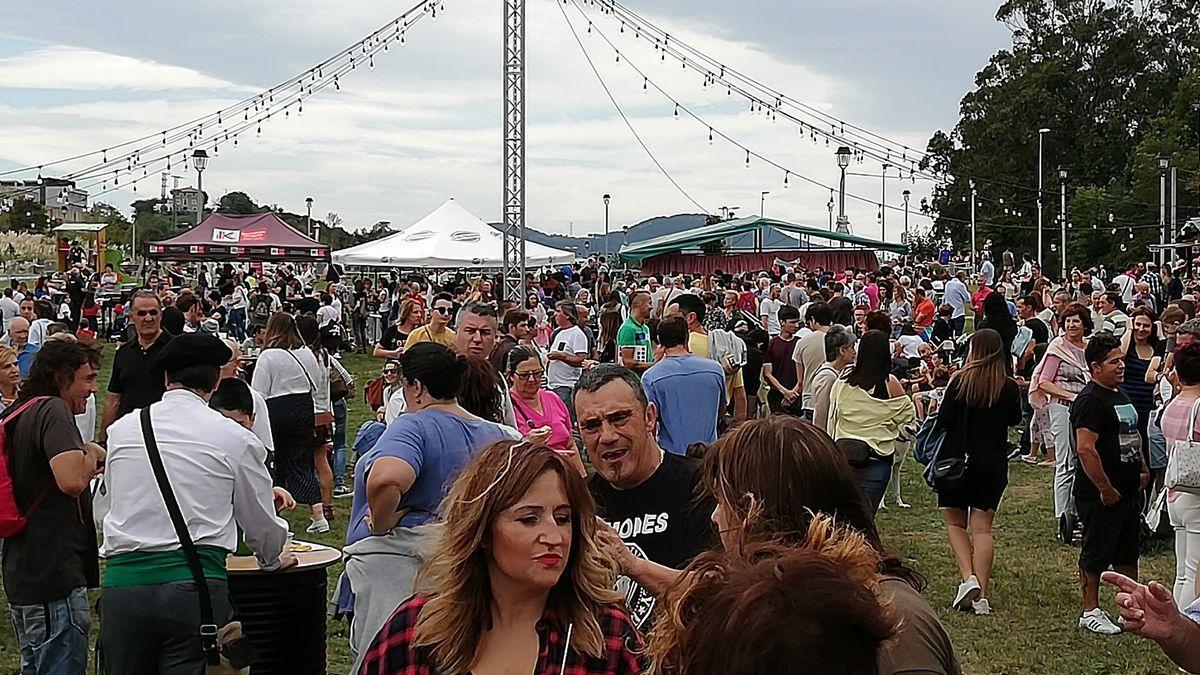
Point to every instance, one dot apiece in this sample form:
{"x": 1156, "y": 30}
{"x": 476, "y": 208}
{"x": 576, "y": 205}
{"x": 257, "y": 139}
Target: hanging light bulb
{"x": 1114, "y": 231}
{"x": 336, "y": 85}
{"x": 1053, "y": 247}
{"x": 676, "y": 111}
{"x": 371, "y": 62}
{"x": 618, "y": 57}
{"x": 645, "y": 83}
{"x": 1111, "y": 218}
{"x": 1131, "y": 233}
{"x": 785, "y": 180}
{"x": 1123, "y": 247}
{"x": 104, "y": 155}
{"x": 747, "y": 159}
{"x": 710, "y": 138}
{"x": 589, "y": 28}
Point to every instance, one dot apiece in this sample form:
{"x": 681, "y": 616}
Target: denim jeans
{"x": 53, "y": 636}
{"x": 958, "y": 325}
{"x": 339, "y": 443}
{"x": 873, "y": 480}
{"x": 235, "y": 325}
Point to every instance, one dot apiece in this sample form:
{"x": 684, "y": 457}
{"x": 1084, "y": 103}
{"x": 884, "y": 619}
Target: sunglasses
{"x": 442, "y": 310}
{"x": 390, "y": 371}
{"x": 147, "y": 312}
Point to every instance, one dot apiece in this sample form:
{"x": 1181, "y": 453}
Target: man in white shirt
{"x": 217, "y": 472}
{"x": 987, "y": 270}
{"x": 1126, "y": 284}
{"x": 8, "y": 308}
{"x": 327, "y": 313}
{"x": 261, "y": 425}
{"x": 44, "y": 311}
{"x": 768, "y": 310}
{"x": 959, "y": 298}
{"x": 567, "y": 352}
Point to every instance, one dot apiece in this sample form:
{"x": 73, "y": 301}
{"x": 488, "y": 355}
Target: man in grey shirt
{"x": 810, "y": 349}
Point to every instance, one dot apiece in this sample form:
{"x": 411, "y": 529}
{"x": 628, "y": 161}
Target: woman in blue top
{"x": 1141, "y": 345}
{"x": 401, "y": 481}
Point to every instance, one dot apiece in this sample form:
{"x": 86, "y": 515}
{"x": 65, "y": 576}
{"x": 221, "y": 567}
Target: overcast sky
{"x": 424, "y": 125}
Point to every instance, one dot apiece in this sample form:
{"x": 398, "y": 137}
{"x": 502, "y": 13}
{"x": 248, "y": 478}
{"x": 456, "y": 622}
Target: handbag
{"x": 948, "y": 473}
{"x": 338, "y": 389}
{"x": 226, "y": 650}
{"x": 322, "y": 421}
{"x": 1183, "y": 466}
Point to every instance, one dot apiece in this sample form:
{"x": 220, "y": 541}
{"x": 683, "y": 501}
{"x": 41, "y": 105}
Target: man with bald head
{"x": 261, "y": 426}
{"x": 18, "y": 336}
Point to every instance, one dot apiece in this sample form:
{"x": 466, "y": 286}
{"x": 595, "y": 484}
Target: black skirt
{"x": 292, "y": 430}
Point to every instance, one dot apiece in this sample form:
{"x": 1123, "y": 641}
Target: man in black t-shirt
{"x": 1109, "y": 477}
{"x": 840, "y": 305}
{"x": 50, "y": 564}
{"x": 647, "y": 496}
{"x": 134, "y": 383}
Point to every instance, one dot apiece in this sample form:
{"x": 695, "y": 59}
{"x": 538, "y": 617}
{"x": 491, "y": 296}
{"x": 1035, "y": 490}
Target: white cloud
{"x": 64, "y": 67}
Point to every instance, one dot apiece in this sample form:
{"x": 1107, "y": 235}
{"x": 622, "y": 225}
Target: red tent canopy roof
{"x": 221, "y": 236}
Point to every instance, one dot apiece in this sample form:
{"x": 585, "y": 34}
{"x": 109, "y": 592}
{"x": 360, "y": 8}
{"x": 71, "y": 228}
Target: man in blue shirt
{"x": 18, "y": 335}
{"x": 687, "y": 390}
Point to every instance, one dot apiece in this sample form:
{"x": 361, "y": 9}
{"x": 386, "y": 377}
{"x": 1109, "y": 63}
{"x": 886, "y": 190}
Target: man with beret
{"x": 217, "y": 472}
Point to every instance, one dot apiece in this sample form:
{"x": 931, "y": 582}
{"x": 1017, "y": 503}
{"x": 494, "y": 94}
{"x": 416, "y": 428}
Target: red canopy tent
{"x": 256, "y": 237}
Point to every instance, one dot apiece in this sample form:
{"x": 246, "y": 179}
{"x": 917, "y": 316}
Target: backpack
{"x": 262, "y": 310}
{"x": 928, "y": 442}
{"x": 12, "y": 521}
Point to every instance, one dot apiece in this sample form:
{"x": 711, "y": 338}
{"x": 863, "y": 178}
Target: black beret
{"x": 193, "y": 349}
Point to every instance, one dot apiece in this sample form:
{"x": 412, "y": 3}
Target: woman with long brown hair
{"x": 771, "y": 478}
{"x": 291, "y": 380}
{"x": 517, "y": 582}
{"x": 980, "y": 405}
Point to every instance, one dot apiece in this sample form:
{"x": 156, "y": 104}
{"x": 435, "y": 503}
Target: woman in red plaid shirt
{"x": 517, "y": 583}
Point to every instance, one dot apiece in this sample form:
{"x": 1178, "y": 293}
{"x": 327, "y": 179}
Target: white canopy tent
{"x": 450, "y": 237}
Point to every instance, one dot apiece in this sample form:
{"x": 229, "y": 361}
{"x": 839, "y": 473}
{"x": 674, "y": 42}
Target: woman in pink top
{"x": 541, "y": 415}
{"x": 1184, "y": 507}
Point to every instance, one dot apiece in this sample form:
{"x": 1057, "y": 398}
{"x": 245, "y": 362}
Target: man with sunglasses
{"x": 437, "y": 330}
{"x": 134, "y": 383}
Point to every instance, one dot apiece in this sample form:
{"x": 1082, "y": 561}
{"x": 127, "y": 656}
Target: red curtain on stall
{"x": 739, "y": 263}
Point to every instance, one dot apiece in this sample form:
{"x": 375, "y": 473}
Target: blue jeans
{"x": 958, "y": 325}
{"x": 873, "y": 480}
{"x": 339, "y": 443}
{"x": 53, "y": 636}
{"x": 235, "y": 325}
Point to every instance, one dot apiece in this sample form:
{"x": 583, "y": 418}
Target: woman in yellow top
{"x": 437, "y": 329}
{"x": 867, "y": 406}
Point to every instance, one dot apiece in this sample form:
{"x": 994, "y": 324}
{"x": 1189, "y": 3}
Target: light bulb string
{"x": 261, "y": 98}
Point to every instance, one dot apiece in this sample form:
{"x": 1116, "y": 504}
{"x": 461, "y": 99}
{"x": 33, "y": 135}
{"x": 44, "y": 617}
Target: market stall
{"x": 241, "y": 238}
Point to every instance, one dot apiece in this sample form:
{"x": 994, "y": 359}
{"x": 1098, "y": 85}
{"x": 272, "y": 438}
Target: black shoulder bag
{"x": 238, "y": 652}
{"x": 950, "y": 473}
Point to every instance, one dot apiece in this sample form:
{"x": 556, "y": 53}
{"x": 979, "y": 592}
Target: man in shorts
{"x": 1109, "y": 477}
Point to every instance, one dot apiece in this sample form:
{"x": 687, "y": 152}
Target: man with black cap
{"x": 216, "y": 470}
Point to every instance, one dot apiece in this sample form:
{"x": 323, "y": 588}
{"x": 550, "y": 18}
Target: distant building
{"x": 186, "y": 199}
{"x": 63, "y": 201}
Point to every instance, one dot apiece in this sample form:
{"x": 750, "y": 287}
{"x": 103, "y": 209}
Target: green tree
{"x": 239, "y": 203}
{"x": 1114, "y": 81}
{"x": 26, "y": 215}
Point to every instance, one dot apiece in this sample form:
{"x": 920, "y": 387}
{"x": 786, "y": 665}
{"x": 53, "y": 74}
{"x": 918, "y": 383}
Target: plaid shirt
{"x": 1156, "y": 288}
{"x": 392, "y": 651}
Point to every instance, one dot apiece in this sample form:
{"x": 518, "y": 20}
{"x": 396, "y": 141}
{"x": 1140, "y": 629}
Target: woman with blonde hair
{"x": 517, "y": 582}
{"x": 410, "y": 317}
{"x": 10, "y": 376}
{"x": 980, "y": 404}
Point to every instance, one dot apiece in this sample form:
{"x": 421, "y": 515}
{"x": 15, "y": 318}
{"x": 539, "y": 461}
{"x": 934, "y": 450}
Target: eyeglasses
{"x": 442, "y": 310}
{"x": 531, "y": 375}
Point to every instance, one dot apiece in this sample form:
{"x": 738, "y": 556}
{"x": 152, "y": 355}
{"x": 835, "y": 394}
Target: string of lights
{"x": 228, "y": 123}
{"x": 714, "y": 132}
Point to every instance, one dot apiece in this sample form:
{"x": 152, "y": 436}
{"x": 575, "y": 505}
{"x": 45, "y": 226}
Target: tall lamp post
{"x": 1164, "y": 163}
{"x": 1041, "y": 135}
{"x": 843, "y": 161}
{"x": 883, "y": 203}
{"x": 1062, "y": 216}
{"x": 762, "y": 205}
{"x": 308, "y": 218}
{"x": 200, "y": 160}
{"x": 906, "y": 195}
{"x": 607, "y": 199}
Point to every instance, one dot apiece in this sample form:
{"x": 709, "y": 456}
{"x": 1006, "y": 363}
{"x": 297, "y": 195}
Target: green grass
{"x": 1034, "y": 590}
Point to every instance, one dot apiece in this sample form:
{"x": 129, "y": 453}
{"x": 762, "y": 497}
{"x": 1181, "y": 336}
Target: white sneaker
{"x": 318, "y": 527}
{"x": 1097, "y": 621}
{"x": 981, "y": 607}
{"x": 968, "y": 592}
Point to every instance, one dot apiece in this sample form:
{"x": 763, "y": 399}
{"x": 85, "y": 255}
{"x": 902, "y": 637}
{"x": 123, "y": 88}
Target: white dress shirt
{"x": 217, "y": 471}
{"x": 262, "y": 421}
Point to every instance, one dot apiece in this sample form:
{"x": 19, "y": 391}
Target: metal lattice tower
{"x": 514, "y": 149}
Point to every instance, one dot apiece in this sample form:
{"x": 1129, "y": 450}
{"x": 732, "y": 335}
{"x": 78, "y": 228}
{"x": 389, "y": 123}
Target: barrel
{"x": 283, "y": 615}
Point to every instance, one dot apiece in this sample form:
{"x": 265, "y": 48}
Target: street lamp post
{"x": 1041, "y": 134}
{"x": 973, "y": 247}
{"x": 906, "y": 195}
{"x": 607, "y": 198}
{"x": 843, "y": 161}
{"x": 1164, "y": 163}
{"x": 762, "y": 205}
{"x": 308, "y": 218}
{"x": 200, "y": 160}
{"x": 1062, "y": 216}
{"x": 883, "y": 203}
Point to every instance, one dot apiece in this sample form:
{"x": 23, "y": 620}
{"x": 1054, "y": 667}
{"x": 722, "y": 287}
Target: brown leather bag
{"x": 373, "y": 392}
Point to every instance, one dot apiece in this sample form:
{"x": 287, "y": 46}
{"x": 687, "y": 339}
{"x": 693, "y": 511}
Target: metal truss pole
{"x": 514, "y": 149}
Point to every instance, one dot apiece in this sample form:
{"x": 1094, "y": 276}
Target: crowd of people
{"x": 615, "y": 473}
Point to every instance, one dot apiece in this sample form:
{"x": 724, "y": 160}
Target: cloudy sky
{"x": 424, "y": 124}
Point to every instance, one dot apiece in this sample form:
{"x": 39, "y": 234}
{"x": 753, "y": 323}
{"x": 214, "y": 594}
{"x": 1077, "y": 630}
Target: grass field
{"x": 1034, "y": 591}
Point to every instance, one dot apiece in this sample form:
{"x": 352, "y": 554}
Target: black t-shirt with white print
{"x": 661, "y": 520}
{"x": 1110, "y": 415}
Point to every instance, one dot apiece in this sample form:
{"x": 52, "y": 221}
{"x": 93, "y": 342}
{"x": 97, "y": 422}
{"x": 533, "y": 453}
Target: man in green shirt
{"x": 635, "y": 350}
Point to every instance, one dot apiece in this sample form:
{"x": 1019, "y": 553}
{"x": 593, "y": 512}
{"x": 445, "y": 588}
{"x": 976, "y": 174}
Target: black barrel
{"x": 283, "y": 615}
